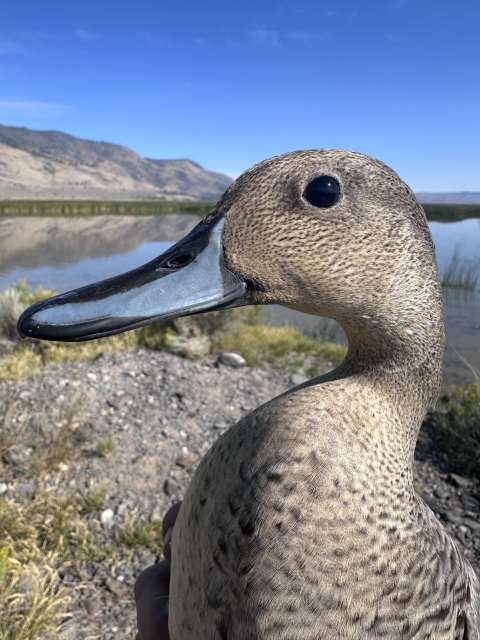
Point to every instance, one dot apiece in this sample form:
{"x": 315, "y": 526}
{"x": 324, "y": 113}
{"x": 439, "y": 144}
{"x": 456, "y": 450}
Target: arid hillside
{"x": 51, "y": 164}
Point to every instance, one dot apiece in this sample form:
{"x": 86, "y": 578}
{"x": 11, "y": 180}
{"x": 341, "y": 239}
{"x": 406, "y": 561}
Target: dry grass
{"x": 37, "y": 539}
{"x": 141, "y": 533}
{"x": 42, "y": 537}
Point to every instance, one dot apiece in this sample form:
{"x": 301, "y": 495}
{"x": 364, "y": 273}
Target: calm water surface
{"x": 66, "y": 262}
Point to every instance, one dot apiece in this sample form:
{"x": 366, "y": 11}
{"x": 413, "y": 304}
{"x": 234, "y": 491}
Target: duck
{"x": 301, "y": 522}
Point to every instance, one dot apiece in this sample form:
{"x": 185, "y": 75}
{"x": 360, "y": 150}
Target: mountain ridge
{"x": 53, "y": 164}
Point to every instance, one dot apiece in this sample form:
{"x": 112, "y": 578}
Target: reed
{"x": 462, "y": 273}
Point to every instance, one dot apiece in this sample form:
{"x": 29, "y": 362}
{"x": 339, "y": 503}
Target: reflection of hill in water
{"x": 31, "y": 242}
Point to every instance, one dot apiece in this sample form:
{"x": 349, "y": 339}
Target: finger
{"x": 170, "y": 517}
{"x": 167, "y": 529}
{"x": 151, "y": 598}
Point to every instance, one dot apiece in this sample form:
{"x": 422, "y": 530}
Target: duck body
{"x": 301, "y": 522}
{"x": 316, "y": 534}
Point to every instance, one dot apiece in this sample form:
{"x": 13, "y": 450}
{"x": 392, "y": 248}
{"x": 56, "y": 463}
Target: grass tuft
{"x": 105, "y": 447}
{"x": 141, "y": 533}
{"x": 259, "y": 344}
{"x": 462, "y": 273}
{"x": 93, "y": 500}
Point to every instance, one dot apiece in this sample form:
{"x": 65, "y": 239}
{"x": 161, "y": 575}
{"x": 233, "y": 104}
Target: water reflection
{"x": 67, "y": 253}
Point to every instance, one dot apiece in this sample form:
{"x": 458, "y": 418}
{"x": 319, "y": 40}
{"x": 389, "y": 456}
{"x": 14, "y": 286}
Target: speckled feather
{"x": 301, "y": 522}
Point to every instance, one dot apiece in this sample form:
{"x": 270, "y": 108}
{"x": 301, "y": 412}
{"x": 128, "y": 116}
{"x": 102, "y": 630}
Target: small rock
{"x": 298, "y": 378}
{"x": 116, "y": 587}
{"x": 451, "y": 516}
{"x": 474, "y": 525}
{"x": 185, "y": 460}
{"x": 91, "y": 605}
{"x": 92, "y": 377}
{"x": 107, "y": 517}
{"x": 469, "y": 502}
{"x": 118, "y": 401}
{"x": 232, "y": 360}
{"x": 443, "y": 494}
{"x": 121, "y": 509}
{"x": 3, "y": 487}
{"x": 18, "y": 456}
{"x": 458, "y": 481}
{"x": 25, "y": 489}
{"x": 171, "y": 488}
{"x": 146, "y": 561}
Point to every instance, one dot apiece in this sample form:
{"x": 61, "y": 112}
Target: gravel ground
{"x": 164, "y": 412}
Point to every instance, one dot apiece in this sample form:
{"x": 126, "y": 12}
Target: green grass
{"x": 434, "y": 212}
{"x": 260, "y": 344}
{"x": 451, "y": 212}
{"x": 462, "y": 273}
{"x": 105, "y": 447}
{"x": 93, "y": 500}
{"x": 461, "y": 425}
{"x": 99, "y": 208}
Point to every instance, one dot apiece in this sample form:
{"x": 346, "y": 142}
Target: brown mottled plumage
{"x": 301, "y": 522}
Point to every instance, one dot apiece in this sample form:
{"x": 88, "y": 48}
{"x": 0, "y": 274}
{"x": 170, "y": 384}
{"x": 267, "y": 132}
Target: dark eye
{"x": 322, "y": 192}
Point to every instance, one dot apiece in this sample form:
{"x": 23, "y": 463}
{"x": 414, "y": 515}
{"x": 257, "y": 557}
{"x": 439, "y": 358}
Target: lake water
{"x": 64, "y": 254}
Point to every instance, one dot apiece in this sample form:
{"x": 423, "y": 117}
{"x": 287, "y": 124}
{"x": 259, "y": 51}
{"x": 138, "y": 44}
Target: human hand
{"x": 153, "y": 586}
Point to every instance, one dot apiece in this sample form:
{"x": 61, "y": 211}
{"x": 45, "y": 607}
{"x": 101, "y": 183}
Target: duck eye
{"x": 322, "y": 192}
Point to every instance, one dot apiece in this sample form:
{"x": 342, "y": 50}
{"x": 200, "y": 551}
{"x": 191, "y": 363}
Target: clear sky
{"x": 230, "y": 83}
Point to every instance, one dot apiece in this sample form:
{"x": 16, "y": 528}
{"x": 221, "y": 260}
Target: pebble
{"x": 146, "y": 561}
{"x": 18, "y": 455}
{"x": 25, "y": 489}
{"x": 92, "y": 605}
{"x": 107, "y": 518}
{"x": 298, "y": 378}
{"x": 231, "y": 359}
{"x": 442, "y": 493}
{"x": 474, "y": 525}
{"x": 119, "y": 589}
{"x": 458, "y": 481}
{"x": 3, "y": 487}
{"x": 118, "y": 401}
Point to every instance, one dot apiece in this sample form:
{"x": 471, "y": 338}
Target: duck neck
{"x": 402, "y": 359}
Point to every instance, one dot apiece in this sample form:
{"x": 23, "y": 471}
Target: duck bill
{"x": 191, "y": 277}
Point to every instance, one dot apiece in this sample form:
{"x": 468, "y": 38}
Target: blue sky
{"x": 229, "y": 84}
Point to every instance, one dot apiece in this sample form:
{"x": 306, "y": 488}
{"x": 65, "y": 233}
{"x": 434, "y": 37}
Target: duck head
{"x": 331, "y": 233}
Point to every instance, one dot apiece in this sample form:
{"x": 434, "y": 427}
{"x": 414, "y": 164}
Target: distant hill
{"x": 51, "y": 164}
{"x": 457, "y": 197}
